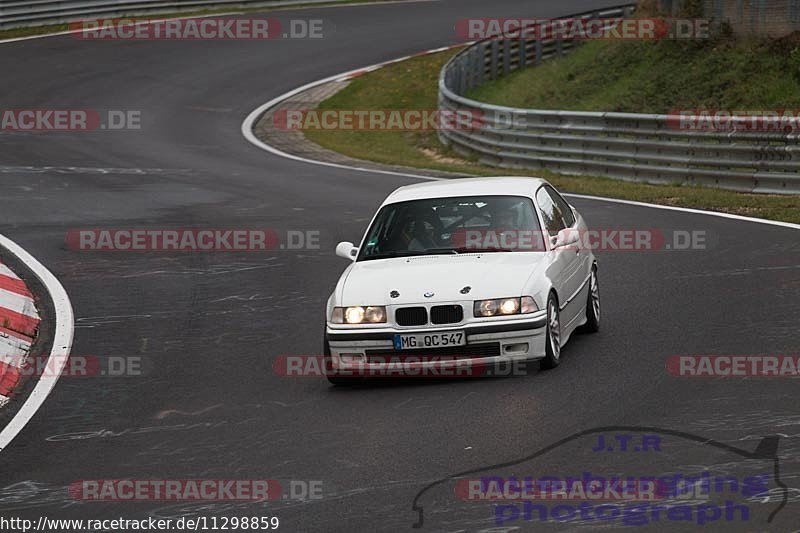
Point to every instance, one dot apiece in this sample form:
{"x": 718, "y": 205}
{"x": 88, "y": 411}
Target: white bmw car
{"x": 462, "y": 272}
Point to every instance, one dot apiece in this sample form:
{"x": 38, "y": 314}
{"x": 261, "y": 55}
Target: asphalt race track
{"x": 209, "y": 325}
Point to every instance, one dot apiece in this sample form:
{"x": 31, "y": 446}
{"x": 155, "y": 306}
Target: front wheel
{"x": 593, "y": 305}
{"x": 553, "y": 342}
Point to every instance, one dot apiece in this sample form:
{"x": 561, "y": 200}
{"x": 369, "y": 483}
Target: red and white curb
{"x": 19, "y": 322}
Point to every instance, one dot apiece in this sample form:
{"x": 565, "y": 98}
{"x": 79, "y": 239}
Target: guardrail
{"x": 15, "y": 14}
{"x": 628, "y": 146}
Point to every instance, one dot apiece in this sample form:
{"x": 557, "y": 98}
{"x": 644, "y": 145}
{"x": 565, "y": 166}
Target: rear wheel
{"x": 553, "y": 342}
{"x": 593, "y": 305}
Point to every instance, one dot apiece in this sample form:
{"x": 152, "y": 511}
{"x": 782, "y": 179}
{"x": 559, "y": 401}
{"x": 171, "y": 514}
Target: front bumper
{"x": 371, "y": 351}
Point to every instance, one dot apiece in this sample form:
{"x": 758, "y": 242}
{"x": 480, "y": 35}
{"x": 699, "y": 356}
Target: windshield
{"x": 453, "y": 225}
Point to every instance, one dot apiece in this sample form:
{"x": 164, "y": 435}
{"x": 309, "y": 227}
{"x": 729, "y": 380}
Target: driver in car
{"x": 424, "y": 237}
{"x": 503, "y": 230}
{"x": 503, "y": 220}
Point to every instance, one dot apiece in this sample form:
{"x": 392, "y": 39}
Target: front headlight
{"x": 504, "y": 306}
{"x": 373, "y": 314}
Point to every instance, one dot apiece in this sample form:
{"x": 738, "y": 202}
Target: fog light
{"x": 520, "y": 347}
{"x": 351, "y": 357}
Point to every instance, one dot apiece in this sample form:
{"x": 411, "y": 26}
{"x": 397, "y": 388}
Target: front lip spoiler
{"x": 522, "y": 325}
{"x": 445, "y": 365}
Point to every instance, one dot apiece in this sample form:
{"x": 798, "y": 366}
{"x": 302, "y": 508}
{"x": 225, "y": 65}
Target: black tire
{"x": 552, "y": 350}
{"x": 593, "y": 305}
{"x": 328, "y": 366}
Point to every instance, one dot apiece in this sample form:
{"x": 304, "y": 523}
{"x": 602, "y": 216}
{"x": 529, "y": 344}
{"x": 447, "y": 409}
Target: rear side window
{"x": 556, "y": 212}
{"x": 562, "y": 205}
{"x": 551, "y": 213}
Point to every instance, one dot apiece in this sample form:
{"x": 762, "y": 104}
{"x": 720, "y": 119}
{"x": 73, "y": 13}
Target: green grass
{"x": 55, "y": 28}
{"x": 659, "y": 76}
{"x": 412, "y": 85}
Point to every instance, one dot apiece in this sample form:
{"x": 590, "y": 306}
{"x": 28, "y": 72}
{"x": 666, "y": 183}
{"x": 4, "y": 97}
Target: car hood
{"x": 490, "y": 275}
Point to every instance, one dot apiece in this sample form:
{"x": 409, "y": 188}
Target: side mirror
{"x": 347, "y": 250}
{"x": 566, "y": 237}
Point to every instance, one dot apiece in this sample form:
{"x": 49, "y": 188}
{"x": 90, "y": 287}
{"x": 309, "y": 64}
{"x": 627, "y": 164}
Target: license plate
{"x": 429, "y": 340}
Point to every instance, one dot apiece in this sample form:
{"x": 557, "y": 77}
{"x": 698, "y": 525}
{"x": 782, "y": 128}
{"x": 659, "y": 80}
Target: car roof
{"x": 499, "y": 185}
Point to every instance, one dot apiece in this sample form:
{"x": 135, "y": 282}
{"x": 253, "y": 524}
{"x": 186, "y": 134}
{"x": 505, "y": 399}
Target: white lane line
{"x": 250, "y": 121}
{"x": 90, "y": 170}
{"x": 690, "y": 210}
{"x": 62, "y": 341}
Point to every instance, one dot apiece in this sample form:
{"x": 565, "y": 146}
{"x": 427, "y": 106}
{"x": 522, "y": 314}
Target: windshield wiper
{"x": 389, "y": 255}
{"x": 493, "y": 249}
{"x": 465, "y": 249}
{"x": 433, "y": 251}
